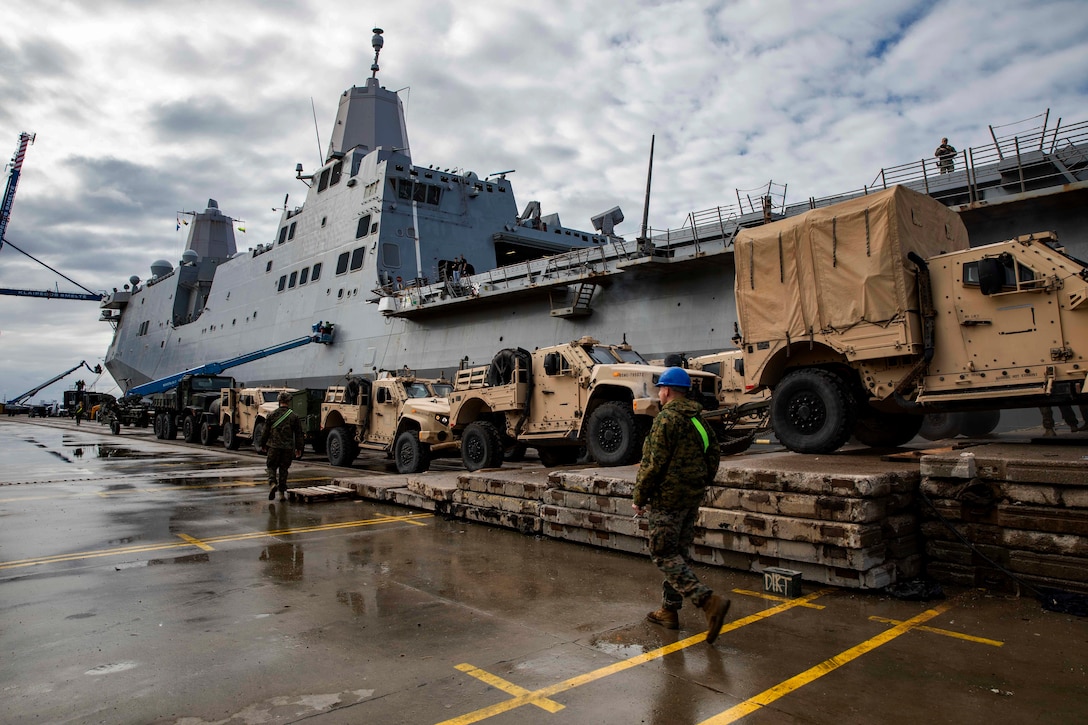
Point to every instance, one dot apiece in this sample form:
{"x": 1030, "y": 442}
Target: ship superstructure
{"x": 435, "y": 268}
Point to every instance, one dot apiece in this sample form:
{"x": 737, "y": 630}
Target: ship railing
{"x": 1020, "y": 157}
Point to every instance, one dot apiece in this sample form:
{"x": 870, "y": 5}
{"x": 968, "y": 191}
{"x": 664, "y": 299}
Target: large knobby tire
{"x": 230, "y": 436}
{"x": 887, "y": 430}
{"x": 115, "y": 426}
{"x": 812, "y": 411}
{"x": 169, "y": 426}
{"x": 613, "y": 437}
{"x": 481, "y": 446}
{"x": 190, "y": 429}
{"x": 938, "y": 426}
{"x": 552, "y": 456}
{"x": 980, "y": 422}
{"x": 410, "y": 455}
{"x": 258, "y": 431}
{"x": 208, "y": 433}
{"x": 157, "y": 426}
{"x": 340, "y": 448}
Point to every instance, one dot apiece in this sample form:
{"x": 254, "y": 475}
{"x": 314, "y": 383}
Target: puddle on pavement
{"x": 616, "y": 644}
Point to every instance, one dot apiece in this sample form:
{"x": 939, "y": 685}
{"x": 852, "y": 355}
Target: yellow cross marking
{"x": 508, "y": 687}
{"x": 534, "y": 697}
{"x": 409, "y": 518}
{"x": 945, "y": 632}
{"x": 827, "y": 666}
{"x": 196, "y": 542}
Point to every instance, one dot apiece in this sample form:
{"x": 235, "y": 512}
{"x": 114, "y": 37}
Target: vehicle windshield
{"x": 608, "y": 355}
{"x": 442, "y": 390}
{"x": 211, "y": 383}
{"x": 416, "y": 390}
{"x": 271, "y": 396}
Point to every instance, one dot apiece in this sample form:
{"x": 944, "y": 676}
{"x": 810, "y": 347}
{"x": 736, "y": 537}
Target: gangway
{"x": 322, "y": 334}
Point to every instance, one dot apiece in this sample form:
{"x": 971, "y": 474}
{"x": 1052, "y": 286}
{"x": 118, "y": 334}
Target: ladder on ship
{"x": 580, "y": 296}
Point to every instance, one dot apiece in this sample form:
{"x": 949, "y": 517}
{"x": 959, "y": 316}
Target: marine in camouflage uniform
{"x": 283, "y": 438}
{"x": 679, "y": 460}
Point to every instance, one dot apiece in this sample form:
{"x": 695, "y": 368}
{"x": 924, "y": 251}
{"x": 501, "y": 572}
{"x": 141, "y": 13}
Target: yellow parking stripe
{"x": 772, "y": 597}
{"x": 946, "y": 633}
{"x": 508, "y": 687}
{"x": 196, "y": 542}
{"x": 57, "y": 558}
{"x": 829, "y": 665}
{"x": 535, "y": 697}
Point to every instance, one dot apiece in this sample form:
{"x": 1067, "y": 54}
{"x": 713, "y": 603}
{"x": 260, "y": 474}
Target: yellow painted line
{"x": 208, "y": 541}
{"x": 414, "y": 523}
{"x": 508, "y": 687}
{"x": 946, "y": 633}
{"x": 773, "y": 597}
{"x": 196, "y": 542}
{"x": 827, "y": 666}
{"x": 532, "y": 698}
{"x": 159, "y": 489}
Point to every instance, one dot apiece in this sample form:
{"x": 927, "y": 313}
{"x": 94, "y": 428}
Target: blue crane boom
{"x": 20, "y": 399}
{"x": 323, "y": 334}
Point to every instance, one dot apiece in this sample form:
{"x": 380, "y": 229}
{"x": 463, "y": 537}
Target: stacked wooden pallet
{"x": 1007, "y": 507}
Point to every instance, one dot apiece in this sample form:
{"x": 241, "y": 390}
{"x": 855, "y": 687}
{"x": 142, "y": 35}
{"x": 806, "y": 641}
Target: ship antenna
{"x": 643, "y": 240}
{"x": 316, "y": 131}
{"x": 377, "y": 42}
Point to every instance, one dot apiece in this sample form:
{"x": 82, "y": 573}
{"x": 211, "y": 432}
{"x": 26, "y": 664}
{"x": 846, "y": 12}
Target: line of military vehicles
{"x": 858, "y": 320}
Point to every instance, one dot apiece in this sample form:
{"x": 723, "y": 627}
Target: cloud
{"x": 144, "y": 110}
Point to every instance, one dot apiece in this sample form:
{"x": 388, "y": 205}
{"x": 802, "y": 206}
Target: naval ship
{"x": 433, "y": 269}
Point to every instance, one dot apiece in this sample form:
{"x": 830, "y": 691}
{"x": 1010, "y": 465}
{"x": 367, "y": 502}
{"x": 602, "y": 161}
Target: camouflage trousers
{"x": 671, "y": 536}
{"x": 277, "y": 463}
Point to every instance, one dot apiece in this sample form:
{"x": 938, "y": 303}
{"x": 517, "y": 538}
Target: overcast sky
{"x": 143, "y": 109}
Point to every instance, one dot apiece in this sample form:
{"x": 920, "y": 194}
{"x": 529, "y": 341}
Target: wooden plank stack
{"x": 1024, "y": 508}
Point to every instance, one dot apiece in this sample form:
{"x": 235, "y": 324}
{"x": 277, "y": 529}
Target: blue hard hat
{"x": 674, "y": 378}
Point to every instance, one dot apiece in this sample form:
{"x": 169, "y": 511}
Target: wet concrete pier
{"x": 144, "y": 581}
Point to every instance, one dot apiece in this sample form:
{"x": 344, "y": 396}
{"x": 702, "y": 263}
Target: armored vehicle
{"x": 400, "y": 415}
{"x": 560, "y": 400}
{"x": 241, "y": 416}
{"x": 865, "y": 315}
{"x": 188, "y": 408}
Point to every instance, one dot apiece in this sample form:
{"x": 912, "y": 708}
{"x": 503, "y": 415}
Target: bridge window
{"x": 364, "y": 226}
{"x": 282, "y": 283}
{"x": 268, "y": 267}
{"x": 323, "y": 182}
{"x": 434, "y": 195}
{"x": 337, "y": 171}
{"x": 291, "y": 232}
{"x": 316, "y": 274}
{"x": 283, "y": 235}
{"x": 303, "y": 276}
{"x": 292, "y": 280}
{"x": 357, "y": 258}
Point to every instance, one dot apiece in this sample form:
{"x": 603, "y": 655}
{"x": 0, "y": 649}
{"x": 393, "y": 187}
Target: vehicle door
{"x": 556, "y": 401}
{"x": 387, "y": 396}
{"x": 1009, "y": 318}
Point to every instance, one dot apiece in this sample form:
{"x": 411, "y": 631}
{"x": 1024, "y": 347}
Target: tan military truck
{"x": 561, "y": 400}
{"x": 865, "y": 315}
{"x": 241, "y": 417}
{"x": 739, "y": 417}
{"x": 403, "y": 416}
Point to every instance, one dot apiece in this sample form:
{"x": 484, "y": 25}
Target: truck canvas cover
{"x": 832, "y": 268}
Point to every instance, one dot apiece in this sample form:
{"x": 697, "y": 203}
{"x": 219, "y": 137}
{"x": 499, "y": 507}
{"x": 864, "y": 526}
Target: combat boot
{"x": 1048, "y": 432}
{"x": 715, "y": 609}
{"x": 667, "y": 618}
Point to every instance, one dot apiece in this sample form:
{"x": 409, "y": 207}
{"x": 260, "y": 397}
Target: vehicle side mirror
{"x": 991, "y": 275}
